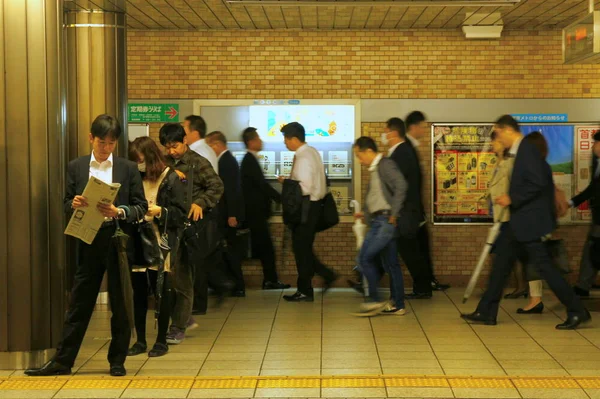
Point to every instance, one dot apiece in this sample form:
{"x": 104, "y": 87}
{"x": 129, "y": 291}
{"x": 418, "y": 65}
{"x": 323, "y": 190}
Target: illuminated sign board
{"x": 581, "y": 40}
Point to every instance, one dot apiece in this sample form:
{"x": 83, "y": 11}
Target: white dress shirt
{"x": 515, "y": 147}
{"x": 308, "y": 169}
{"x": 204, "y": 149}
{"x": 413, "y": 140}
{"x": 102, "y": 170}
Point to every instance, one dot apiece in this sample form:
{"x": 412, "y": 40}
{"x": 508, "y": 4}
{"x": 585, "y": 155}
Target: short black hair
{"x": 249, "y": 134}
{"x": 294, "y": 129}
{"x": 365, "y": 143}
{"x": 171, "y": 133}
{"x": 197, "y": 124}
{"x": 105, "y": 126}
{"x": 508, "y": 121}
{"x": 396, "y": 125}
{"x": 218, "y": 136}
{"x": 414, "y": 118}
{"x": 596, "y": 136}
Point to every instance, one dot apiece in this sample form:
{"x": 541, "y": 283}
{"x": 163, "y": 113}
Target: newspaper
{"x": 85, "y": 222}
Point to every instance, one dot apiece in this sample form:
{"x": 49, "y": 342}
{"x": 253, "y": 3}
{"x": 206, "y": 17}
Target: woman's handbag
{"x": 147, "y": 249}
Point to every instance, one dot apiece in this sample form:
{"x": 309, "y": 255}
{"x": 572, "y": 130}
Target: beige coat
{"x": 499, "y": 185}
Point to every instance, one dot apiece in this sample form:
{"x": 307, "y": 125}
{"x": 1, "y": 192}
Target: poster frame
{"x": 432, "y": 175}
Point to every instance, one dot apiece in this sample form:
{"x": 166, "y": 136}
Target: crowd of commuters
{"x": 186, "y": 206}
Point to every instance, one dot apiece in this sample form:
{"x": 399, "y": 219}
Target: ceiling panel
{"x": 220, "y": 14}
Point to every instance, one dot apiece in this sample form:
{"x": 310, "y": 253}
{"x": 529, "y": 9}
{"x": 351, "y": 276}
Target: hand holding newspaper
{"x": 85, "y": 222}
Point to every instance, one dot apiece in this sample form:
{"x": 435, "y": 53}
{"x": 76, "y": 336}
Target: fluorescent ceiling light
{"x": 372, "y": 3}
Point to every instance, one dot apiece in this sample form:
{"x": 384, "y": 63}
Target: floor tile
{"x": 480, "y": 393}
{"x": 237, "y": 348}
{"x": 155, "y": 393}
{"x": 229, "y": 373}
{"x": 292, "y": 364}
{"x": 189, "y": 372}
{"x": 272, "y": 356}
{"x": 530, "y": 393}
{"x": 287, "y": 393}
{"x": 160, "y": 364}
{"x": 360, "y": 371}
{"x": 235, "y": 356}
{"x": 221, "y": 393}
{"x": 537, "y": 372}
{"x": 420, "y": 392}
{"x": 26, "y": 393}
{"x": 431, "y": 371}
{"x": 353, "y": 392}
{"x": 479, "y": 372}
{"x": 469, "y": 364}
{"x": 89, "y": 393}
{"x": 231, "y": 364}
{"x": 290, "y": 372}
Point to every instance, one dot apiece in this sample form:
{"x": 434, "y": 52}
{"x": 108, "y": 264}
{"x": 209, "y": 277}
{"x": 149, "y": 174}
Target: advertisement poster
{"x": 342, "y": 200}
{"x": 323, "y": 123}
{"x": 463, "y": 166}
{"x": 338, "y": 163}
{"x": 287, "y": 161}
{"x": 584, "y": 140}
{"x": 560, "y": 156}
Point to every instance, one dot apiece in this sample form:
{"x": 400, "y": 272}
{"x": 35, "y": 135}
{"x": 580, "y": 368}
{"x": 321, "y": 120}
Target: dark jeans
{"x": 144, "y": 283}
{"x": 380, "y": 245}
{"x": 94, "y": 260}
{"x": 538, "y": 255}
{"x": 307, "y": 263}
{"x": 263, "y": 249}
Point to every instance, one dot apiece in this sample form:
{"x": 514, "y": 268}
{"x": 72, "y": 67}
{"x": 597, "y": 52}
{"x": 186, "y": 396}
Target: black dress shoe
{"x": 238, "y": 294}
{"x": 437, "y": 286}
{"x": 573, "y": 322}
{"x": 118, "y": 370}
{"x": 418, "y": 295}
{"x": 299, "y": 297}
{"x": 137, "y": 349}
{"x": 358, "y": 287}
{"x": 275, "y": 285}
{"x": 477, "y": 317}
{"x": 581, "y": 292}
{"x": 517, "y": 294}
{"x": 49, "y": 369}
{"x": 537, "y": 309}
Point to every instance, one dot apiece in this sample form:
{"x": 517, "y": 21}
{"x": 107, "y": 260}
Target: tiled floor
{"x": 262, "y": 335}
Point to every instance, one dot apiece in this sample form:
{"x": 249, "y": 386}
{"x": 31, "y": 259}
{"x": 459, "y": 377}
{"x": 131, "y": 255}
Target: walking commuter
{"x": 231, "y": 210}
{"x": 384, "y": 201}
{"x": 101, "y": 255}
{"x": 412, "y": 218}
{"x": 531, "y": 203}
{"x": 258, "y": 198}
{"x": 195, "y": 133}
{"x": 206, "y": 191}
{"x": 416, "y": 127}
{"x": 309, "y": 171}
{"x": 167, "y": 212}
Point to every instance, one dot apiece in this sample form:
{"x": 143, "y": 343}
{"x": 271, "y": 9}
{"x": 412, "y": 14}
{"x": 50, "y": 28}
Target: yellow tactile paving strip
{"x": 389, "y": 381}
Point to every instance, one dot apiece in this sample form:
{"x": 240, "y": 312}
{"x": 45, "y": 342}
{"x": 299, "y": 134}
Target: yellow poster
{"x": 466, "y": 208}
{"x": 467, "y": 161}
{"x": 446, "y": 181}
{"x": 447, "y": 208}
{"x": 447, "y": 196}
{"x": 446, "y": 162}
{"x": 487, "y": 161}
{"x": 484, "y": 179}
{"x": 467, "y": 181}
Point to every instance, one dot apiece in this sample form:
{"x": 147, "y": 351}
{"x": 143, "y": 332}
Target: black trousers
{"x": 144, "y": 283}
{"x": 232, "y": 257}
{"x": 425, "y": 247}
{"x": 94, "y": 260}
{"x": 538, "y": 256}
{"x": 412, "y": 255}
{"x": 208, "y": 270}
{"x": 307, "y": 263}
{"x": 263, "y": 249}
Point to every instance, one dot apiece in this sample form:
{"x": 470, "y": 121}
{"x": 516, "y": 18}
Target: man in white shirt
{"x": 195, "y": 133}
{"x": 309, "y": 171}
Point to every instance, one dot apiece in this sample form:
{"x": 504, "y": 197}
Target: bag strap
{"x": 190, "y": 185}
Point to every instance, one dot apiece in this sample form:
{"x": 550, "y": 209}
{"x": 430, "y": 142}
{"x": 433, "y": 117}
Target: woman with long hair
{"x": 166, "y": 213}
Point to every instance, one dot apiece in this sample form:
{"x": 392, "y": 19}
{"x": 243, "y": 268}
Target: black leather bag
{"x": 330, "y": 216}
{"x": 146, "y": 249}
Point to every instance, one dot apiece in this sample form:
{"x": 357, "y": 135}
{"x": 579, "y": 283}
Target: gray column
{"x": 32, "y": 142}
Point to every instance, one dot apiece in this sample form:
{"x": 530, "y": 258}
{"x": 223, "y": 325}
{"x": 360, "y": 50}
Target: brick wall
{"x": 361, "y": 64}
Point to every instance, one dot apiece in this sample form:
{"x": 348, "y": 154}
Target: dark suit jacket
{"x": 591, "y": 194}
{"x": 258, "y": 193}
{"x": 532, "y": 211}
{"x": 406, "y": 159}
{"x": 232, "y": 202}
{"x": 131, "y": 193}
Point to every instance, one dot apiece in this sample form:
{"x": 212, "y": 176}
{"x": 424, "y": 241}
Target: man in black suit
{"x": 258, "y": 197}
{"x": 411, "y": 218}
{"x": 101, "y": 255}
{"x": 589, "y": 268}
{"x": 231, "y": 209}
{"x": 416, "y": 127}
{"x": 533, "y": 218}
